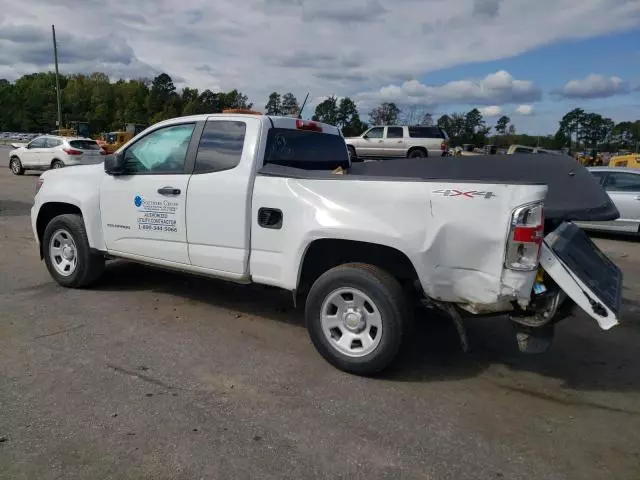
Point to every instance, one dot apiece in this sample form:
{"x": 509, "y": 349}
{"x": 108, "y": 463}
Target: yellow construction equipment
{"x": 631, "y": 160}
{"x": 112, "y": 141}
{"x": 75, "y": 128}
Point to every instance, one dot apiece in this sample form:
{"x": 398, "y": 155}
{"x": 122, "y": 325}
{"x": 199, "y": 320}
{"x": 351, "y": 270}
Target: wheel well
{"x": 56, "y": 160}
{"x": 325, "y": 254}
{"x": 49, "y": 211}
{"x": 413, "y": 149}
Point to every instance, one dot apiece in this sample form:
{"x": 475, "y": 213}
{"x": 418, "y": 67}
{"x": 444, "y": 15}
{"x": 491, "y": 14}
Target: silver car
{"x": 623, "y": 187}
{"x": 399, "y": 141}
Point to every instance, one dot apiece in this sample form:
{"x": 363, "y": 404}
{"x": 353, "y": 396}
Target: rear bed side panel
{"x": 454, "y": 234}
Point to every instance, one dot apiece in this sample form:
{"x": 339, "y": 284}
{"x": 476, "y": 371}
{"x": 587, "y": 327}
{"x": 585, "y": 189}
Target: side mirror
{"x": 114, "y": 164}
{"x": 364, "y": 135}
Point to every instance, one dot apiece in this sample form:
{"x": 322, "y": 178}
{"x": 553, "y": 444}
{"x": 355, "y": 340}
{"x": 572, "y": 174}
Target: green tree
{"x": 234, "y": 99}
{"x": 327, "y": 111}
{"x": 444, "y": 122}
{"x": 502, "y": 124}
{"x": 427, "y": 120}
{"x": 474, "y": 126}
{"x": 274, "y": 104}
{"x": 385, "y": 114}
{"x": 209, "y": 103}
{"x": 572, "y": 123}
{"x": 290, "y": 107}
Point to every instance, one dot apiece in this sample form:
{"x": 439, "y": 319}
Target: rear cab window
{"x": 305, "y": 149}
{"x": 84, "y": 144}
{"x": 425, "y": 132}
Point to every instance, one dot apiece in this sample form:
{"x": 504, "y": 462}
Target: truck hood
{"x": 573, "y": 193}
{"x": 88, "y": 172}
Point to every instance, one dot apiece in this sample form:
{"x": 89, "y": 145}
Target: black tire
{"x": 16, "y": 166}
{"x": 57, "y": 164}
{"x": 89, "y": 265}
{"x": 389, "y": 298}
{"x": 417, "y": 153}
{"x": 352, "y": 153}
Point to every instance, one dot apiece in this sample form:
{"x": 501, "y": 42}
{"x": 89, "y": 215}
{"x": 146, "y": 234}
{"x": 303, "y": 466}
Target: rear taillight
{"x": 72, "y": 151}
{"x": 308, "y": 125}
{"x": 443, "y": 145}
{"x": 525, "y": 236}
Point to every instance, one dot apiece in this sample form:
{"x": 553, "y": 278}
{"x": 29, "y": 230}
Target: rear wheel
{"x": 57, "y": 164}
{"x": 67, "y": 253}
{"x": 357, "y": 317}
{"x": 417, "y": 153}
{"x": 16, "y": 166}
{"x": 352, "y": 153}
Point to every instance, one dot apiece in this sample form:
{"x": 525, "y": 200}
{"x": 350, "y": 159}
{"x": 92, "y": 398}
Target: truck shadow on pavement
{"x": 583, "y": 357}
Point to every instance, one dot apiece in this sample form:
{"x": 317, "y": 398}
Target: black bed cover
{"x": 574, "y": 194}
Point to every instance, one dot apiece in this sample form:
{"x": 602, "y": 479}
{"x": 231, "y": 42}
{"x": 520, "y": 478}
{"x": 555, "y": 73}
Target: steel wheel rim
{"x": 63, "y": 252}
{"x": 351, "y": 322}
{"x": 15, "y": 167}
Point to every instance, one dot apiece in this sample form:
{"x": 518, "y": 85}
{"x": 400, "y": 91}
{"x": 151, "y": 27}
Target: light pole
{"x": 55, "y": 58}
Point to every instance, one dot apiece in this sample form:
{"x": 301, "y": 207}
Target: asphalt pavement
{"x": 157, "y": 375}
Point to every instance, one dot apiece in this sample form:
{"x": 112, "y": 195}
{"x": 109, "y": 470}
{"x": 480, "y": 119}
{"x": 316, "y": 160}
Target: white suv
{"x": 49, "y": 151}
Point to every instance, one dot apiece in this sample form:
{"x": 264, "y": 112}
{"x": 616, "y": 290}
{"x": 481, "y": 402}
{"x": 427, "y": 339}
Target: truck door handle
{"x": 399, "y": 141}
{"x": 169, "y": 191}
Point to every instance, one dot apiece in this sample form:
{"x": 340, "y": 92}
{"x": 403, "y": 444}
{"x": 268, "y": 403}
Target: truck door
{"x": 219, "y": 195}
{"x": 371, "y": 144}
{"x": 394, "y": 143}
{"x": 143, "y": 210}
{"x": 624, "y": 190}
{"x": 31, "y": 156}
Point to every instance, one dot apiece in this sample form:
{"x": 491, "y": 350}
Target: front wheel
{"x": 357, "y": 317}
{"x": 67, "y": 253}
{"x": 16, "y": 166}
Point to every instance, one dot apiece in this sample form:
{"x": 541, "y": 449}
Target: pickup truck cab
{"x": 275, "y": 201}
{"x": 399, "y": 141}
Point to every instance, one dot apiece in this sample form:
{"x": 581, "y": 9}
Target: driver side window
{"x": 375, "y": 132}
{"x": 37, "y": 143}
{"x": 162, "y": 151}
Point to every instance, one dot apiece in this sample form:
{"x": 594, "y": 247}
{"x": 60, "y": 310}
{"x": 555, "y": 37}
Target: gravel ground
{"x": 155, "y": 375}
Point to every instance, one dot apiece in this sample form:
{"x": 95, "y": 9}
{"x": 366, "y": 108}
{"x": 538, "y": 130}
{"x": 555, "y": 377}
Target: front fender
{"x": 78, "y": 186}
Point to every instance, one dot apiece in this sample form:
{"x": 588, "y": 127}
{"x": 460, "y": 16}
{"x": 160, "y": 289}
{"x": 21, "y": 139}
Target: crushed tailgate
{"x": 585, "y": 274}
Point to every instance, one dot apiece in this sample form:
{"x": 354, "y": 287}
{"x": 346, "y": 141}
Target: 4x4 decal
{"x": 452, "y": 192}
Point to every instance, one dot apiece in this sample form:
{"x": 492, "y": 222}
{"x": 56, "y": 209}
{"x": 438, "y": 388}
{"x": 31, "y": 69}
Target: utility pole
{"x": 55, "y": 57}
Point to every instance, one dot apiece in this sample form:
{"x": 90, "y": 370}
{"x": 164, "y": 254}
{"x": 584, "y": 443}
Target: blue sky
{"x": 550, "y": 67}
{"x": 503, "y": 56}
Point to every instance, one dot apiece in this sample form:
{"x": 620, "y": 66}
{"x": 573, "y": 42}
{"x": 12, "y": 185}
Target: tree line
{"x": 29, "y": 105}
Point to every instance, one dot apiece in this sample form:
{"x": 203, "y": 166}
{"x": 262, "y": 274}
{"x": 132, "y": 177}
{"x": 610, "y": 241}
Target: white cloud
{"x": 300, "y": 46}
{"x": 495, "y": 88}
{"x": 524, "y": 109}
{"x": 595, "y": 86}
{"x": 491, "y": 111}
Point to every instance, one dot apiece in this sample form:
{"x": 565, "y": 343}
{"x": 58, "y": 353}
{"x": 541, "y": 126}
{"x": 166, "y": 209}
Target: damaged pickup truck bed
{"x": 254, "y": 198}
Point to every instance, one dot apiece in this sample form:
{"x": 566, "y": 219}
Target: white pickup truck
{"x": 275, "y": 201}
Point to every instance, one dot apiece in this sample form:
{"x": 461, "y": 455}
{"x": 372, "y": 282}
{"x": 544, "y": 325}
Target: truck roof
{"x": 270, "y": 121}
